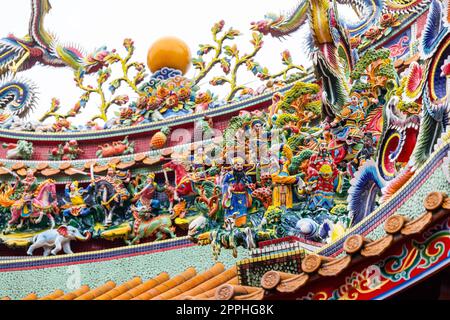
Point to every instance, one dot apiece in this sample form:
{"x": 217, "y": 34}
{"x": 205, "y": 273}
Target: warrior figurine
{"x": 283, "y": 180}
{"x": 118, "y": 181}
{"x": 258, "y": 143}
{"x": 200, "y": 161}
{"x": 29, "y": 185}
{"x": 323, "y": 174}
{"x": 145, "y": 199}
{"x": 237, "y": 197}
{"x": 352, "y": 118}
{"x": 77, "y": 205}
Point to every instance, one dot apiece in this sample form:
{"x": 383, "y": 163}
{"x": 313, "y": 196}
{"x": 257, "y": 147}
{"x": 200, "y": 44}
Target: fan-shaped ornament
{"x": 415, "y": 80}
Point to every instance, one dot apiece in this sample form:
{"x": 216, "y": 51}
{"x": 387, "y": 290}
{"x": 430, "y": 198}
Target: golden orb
{"x": 169, "y": 52}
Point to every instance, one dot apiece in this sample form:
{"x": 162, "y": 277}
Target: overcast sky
{"x": 94, "y": 23}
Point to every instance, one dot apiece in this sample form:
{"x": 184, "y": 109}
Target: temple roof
{"x": 217, "y": 283}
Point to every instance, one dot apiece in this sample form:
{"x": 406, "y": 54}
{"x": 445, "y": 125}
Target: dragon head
{"x": 265, "y": 26}
{"x": 96, "y": 60}
{"x": 398, "y": 139}
{"x": 262, "y": 26}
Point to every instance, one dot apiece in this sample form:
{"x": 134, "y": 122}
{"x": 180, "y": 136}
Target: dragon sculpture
{"x": 327, "y": 44}
{"x": 413, "y": 114}
{"x": 368, "y": 12}
{"x": 38, "y": 47}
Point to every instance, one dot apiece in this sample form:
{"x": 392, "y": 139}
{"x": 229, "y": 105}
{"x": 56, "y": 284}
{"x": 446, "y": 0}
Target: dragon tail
{"x": 433, "y": 125}
{"x": 365, "y": 187}
{"x": 17, "y": 96}
{"x": 434, "y": 30}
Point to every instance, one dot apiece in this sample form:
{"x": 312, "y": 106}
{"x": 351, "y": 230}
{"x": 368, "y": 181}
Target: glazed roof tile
{"x": 127, "y": 286}
{"x": 31, "y": 296}
{"x": 94, "y": 293}
{"x": 144, "y": 287}
{"x": 75, "y": 294}
{"x": 210, "y": 284}
{"x": 53, "y": 296}
{"x": 211, "y": 293}
{"x": 191, "y": 283}
{"x": 167, "y": 285}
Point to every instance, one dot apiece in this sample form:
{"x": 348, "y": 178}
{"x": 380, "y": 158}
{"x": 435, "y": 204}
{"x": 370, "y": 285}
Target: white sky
{"x": 94, "y": 23}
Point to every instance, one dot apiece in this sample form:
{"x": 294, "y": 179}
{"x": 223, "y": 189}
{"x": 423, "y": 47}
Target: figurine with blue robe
{"x": 237, "y": 197}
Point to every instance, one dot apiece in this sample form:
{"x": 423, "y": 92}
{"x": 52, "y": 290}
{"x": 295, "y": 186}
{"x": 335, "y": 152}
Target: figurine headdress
{"x": 238, "y": 160}
{"x": 255, "y": 122}
{"x": 355, "y": 94}
{"x": 75, "y": 184}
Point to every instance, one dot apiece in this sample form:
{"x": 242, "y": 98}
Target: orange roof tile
{"x": 48, "y": 172}
{"x": 125, "y": 165}
{"x": 146, "y": 286}
{"x": 120, "y": 289}
{"x": 18, "y": 166}
{"x": 211, "y": 293}
{"x": 94, "y": 293}
{"x": 211, "y": 284}
{"x": 31, "y": 296}
{"x": 235, "y": 292}
{"x": 168, "y": 285}
{"x": 139, "y": 157}
{"x": 53, "y": 296}
{"x": 75, "y": 294}
{"x": 65, "y": 165}
{"x": 42, "y": 166}
{"x": 192, "y": 283}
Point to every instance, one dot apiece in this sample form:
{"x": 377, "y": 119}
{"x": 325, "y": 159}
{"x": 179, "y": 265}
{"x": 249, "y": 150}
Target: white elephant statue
{"x": 56, "y": 239}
